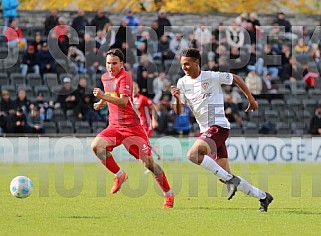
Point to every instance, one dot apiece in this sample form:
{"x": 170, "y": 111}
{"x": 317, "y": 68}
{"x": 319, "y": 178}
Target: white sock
{"x": 119, "y": 173}
{"x": 169, "y": 193}
{"x": 249, "y": 189}
{"x": 211, "y": 165}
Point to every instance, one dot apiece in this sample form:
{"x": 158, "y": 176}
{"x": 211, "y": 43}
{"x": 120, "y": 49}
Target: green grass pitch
{"x": 74, "y": 199}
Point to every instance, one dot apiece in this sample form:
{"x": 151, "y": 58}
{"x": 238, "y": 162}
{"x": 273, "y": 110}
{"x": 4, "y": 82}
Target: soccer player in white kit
{"x": 202, "y": 91}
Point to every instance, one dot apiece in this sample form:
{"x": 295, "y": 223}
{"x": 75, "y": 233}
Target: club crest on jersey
{"x": 205, "y": 85}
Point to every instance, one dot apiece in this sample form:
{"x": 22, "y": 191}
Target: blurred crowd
{"x": 61, "y": 63}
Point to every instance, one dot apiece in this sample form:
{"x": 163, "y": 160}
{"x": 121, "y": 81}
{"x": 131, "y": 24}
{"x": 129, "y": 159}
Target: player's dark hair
{"x": 116, "y": 52}
{"x": 192, "y": 53}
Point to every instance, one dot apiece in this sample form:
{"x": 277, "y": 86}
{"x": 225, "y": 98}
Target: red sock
{"x": 111, "y": 164}
{"x": 162, "y": 181}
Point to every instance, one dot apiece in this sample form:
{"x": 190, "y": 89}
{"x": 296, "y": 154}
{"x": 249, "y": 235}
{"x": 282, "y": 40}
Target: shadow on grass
{"x": 82, "y": 217}
{"x": 300, "y": 212}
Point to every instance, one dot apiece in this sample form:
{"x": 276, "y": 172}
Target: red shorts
{"x": 216, "y": 136}
{"x": 134, "y": 139}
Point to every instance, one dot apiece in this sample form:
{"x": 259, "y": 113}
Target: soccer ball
{"x": 21, "y": 187}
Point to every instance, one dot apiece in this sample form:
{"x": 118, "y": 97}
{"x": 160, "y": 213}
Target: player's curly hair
{"x": 191, "y": 52}
{"x": 116, "y": 52}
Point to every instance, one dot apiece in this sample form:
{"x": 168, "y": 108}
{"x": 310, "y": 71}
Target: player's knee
{"x": 94, "y": 147}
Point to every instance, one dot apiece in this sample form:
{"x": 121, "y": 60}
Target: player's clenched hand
{"x": 253, "y": 106}
{"x": 97, "y": 93}
{"x": 97, "y": 106}
{"x": 175, "y": 92}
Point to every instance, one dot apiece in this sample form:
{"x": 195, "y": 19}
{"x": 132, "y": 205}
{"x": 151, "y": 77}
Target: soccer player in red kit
{"x": 124, "y": 126}
{"x": 146, "y": 109}
{"x": 147, "y": 113}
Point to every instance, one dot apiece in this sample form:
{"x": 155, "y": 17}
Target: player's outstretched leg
{"x": 265, "y": 202}
{"x": 248, "y": 189}
{"x": 161, "y": 179}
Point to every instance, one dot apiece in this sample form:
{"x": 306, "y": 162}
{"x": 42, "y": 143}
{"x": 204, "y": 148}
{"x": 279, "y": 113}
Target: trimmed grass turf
{"x": 74, "y": 199}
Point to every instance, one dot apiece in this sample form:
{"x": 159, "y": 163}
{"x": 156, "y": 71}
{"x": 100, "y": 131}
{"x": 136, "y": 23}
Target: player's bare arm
{"x": 253, "y": 105}
{"x": 178, "y": 106}
{"x": 154, "y": 116}
{"x": 121, "y": 101}
{"x": 99, "y": 105}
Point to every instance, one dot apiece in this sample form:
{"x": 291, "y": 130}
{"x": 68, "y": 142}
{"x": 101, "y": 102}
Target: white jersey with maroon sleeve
{"x": 205, "y": 97}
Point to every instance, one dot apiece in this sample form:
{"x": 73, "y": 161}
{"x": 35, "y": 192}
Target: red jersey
{"x": 121, "y": 84}
{"x": 142, "y": 105}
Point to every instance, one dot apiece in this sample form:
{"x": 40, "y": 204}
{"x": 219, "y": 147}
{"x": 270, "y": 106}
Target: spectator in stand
{"x": 76, "y": 60}
{"x": 211, "y": 65}
{"x": 46, "y": 61}
{"x": 235, "y": 35}
{"x": 164, "y": 23}
{"x": 124, "y": 34}
{"x": 315, "y": 53}
{"x": 100, "y": 20}
{"x": 253, "y": 81}
{"x": 22, "y": 101}
{"x": 51, "y": 21}
{"x": 159, "y": 86}
{"x": 315, "y": 123}
{"x": 61, "y": 32}
{"x": 164, "y": 52}
{"x": 231, "y": 110}
{"x": 286, "y": 54}
{"x": 237, "y": 61}
{"x": 132, "y": 21}
{"x": 182, "y": 123}
{"x": 29, "y": 63}
{"x": 7, "y": 109}
{"x": 3, "y": 123}
{"x": 9, "y": 11}
{"x": 281, "y": 21}
{"x": 268, "y": 86}
{"x": 156, "y": 29}
{"x": 87, "y": 44}
{"x": 45, "y": 107}
{"x": 100, "y": 38}
{"x": 128, "y": 53}
{"x": 203, "y": 35}
{"x": 80, "y": 22}
{"x": 67, "y": 98}
{"x": 15, "y": 37}
{"x": 145, "y": 83}
{"x": 220, "y": 35}
{"x": 301, "y": 50}
{"x": 177, "y": 44}
{"x": 292, "y": 71}
{"x": 241, "y": 20}
{"x": 276, "y": 39}
{"x": 7, "y": 105}
{"x": 34, "y": 121}
{"x": 270, "y": 63}
{"x": 149, "y": 42}
{"x": 145, "y": 64}
{"x": 19, "y": 122}
{"x": 86, "y": 111}
{"x": 164, "y": 115}
{"x": 252, "y": 33}
{"x": 37, "y": 42}
{"x": 109, "y": 33}
{"x": 83, "y": 89}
